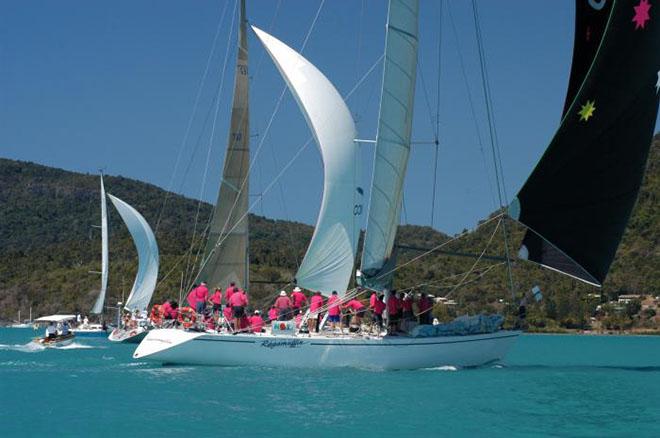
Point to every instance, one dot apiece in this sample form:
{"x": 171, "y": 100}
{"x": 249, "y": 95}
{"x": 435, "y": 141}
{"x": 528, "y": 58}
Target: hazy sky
{"x": 85, "y": 85}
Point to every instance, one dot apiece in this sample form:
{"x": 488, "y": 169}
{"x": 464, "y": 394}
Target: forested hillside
{"x": 48, "y": 246}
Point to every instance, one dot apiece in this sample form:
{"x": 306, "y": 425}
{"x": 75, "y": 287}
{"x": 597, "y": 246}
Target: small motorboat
{"x": 129, "y": 335}
{"x": 55, "y": 336}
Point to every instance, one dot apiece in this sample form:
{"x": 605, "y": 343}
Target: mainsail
{"x": 392, "y": 143}
{"x": 147, "y": 249}
{"x": 98, "y": 305}
{"x": 578, "y": 199}
{"x": 226, "y": 255}
{"x": 329, "y": 260}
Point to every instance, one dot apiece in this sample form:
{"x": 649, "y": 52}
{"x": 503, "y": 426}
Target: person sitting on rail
{"x": 358, "y": 310}
{"x": 334, "y": 310}
{"x": 283, "y": 304}
{"x": 256, "y": 322}
{"x": 298, "y": 299}
{"x": 424, "y": 307}
{"x": 316, "y": 302}
{"x": 238, "y": 301}
{"x": 216, "y": 301}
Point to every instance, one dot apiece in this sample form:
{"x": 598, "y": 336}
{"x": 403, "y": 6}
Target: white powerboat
{"x": 60, "y": 338}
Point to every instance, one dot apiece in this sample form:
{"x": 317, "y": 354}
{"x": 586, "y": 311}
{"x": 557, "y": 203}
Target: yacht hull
{"x": 172, "y": 346}
{"x": 131, "y": 336}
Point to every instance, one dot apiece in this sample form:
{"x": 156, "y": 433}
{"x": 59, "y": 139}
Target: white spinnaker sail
{"x": 392, "y": 142}
{"x": 147, "y": 249}
{"x": 98, "y": 305}
{"x": 329, "y": 260}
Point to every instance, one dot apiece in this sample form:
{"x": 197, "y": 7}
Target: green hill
{"x": 48, "y": 247}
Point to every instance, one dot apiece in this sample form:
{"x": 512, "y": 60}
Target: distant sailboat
{"x": 22, "y": 324}
{"x": 147, "y": 274}
{"x": 585, "y": 184}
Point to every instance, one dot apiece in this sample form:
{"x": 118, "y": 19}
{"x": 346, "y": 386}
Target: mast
{"x": 226, "y": 257}
{"x": 392, "y": 143}
{"x": 98, "y": 305}
{"x": 577, "y": 201}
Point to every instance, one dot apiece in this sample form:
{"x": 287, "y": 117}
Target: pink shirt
{"x": 228, "y": 293}
{"x": 379, "y": 307}
{"x": 298, "y": 298}
{"x": 216, "y": 298}
{"x": 191, "y": 298}
{"x": 333, "y": 309}
{"x": 298, "y": 320}
{"x": 257, "y": 323}
{"x": 238, "y": 299}
{"x": 272, "y": 314}
{"x": 227, "y": 313}
{"x": 372, "y": 300}
{"x": 316, "y": 303}
{"x": 406, "y": 305}
{"x": 201, "y": 293}
{"x": 283, "y": 302}
{"x": 354, "y": 304}
{"x": 393, "y": 305}
{"x": 166, "y": 309}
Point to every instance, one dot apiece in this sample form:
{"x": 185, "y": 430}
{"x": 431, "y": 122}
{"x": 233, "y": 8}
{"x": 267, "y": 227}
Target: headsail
{"x": 98, "y": 305}
{"x": 329, "y": 260}
{"x": 392, "y": 143}
{"x": 226, "y": 254}
{"x": 578, "y": 199}
{"x": 147, "y": 249}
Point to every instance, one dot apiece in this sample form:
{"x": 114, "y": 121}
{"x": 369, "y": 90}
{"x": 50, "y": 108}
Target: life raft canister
{"x": 187, "y": 316}
{"x": 156, "y": 315}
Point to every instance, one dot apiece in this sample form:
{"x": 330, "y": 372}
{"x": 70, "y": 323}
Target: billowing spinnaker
{"x": 329, "y": 260}
{"x": 392, "y": 143}
{"x": 578, "y": 199}
{"x": 226, "y": 255}
{"x": 147, "y": 249}
{"x": 98, "y": 305}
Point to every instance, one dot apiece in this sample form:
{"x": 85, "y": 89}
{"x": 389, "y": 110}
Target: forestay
{"x": 98, "y": 305}
{"x": 578, "y": 199}
{"x": 147, "y": 249}
{"x": 392, "y": 143}
{"x": 329, "y": 260}
{"x": 226, "y": 255}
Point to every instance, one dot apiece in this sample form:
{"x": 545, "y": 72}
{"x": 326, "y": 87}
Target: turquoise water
{"x": 550, "y": 385}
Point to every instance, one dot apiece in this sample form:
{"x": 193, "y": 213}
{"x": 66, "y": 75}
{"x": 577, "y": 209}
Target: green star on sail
{"x": 587, "y": 110}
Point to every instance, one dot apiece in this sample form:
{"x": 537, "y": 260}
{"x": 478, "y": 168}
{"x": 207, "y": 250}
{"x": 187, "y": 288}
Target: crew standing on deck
{"x": 201, "y": 297}
{"x": 238, "y": 302}
{"x": 424, "y": 305}
{"x": 284, "y": 305}
{"x": 334, "y": 310}
{"x": 298, "y": 299}
{"x": 393, "y": 314}
{"x": 316, "y": 302}
{"x": 216, "y": 301}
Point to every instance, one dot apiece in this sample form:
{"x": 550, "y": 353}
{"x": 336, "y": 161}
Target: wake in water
{"x": 34, "y": 347}
{"x": 442, "y": 368}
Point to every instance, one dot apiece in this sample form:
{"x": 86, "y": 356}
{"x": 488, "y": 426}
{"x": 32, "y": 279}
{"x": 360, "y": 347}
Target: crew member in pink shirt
{"x": 283, "y": 304}
{"x": 201, "y": 297}
{"x": 216, "y": 301}
{"x": 238, "y": 301}
{"x": 316, "y": 302}
{"x": 372, "y": 300}
{"x": 407, "y": 307}
{"x": 379, "y": 308}
{"x": 393, "y": 315}
{"x": 334, "y": 311}
{"x": 424, "y": 306}
{"x": 192, "y": 297}
{"x": 357, "y": 308}
{"x": 229, "y": 291}
{"x": 298, "y": 299}
{"x": 256, "y": 322}
{"x": 272, "y": 313}
{"x": 298, "y": 318}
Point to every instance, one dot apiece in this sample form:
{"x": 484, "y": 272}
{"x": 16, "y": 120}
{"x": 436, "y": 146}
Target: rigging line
{"x": 489, "y": 110}
{"x": 446, "y": 286}
{"x": 212, "y": 135}
{"x": 476, "y": 262}
{"x": 437, "y": 120}
{"x": 443, "y": 244}
{"x": 268, "y": 126}
{"x": 192, "y": 115}
{"x": 471, "y": 104}
{"x": 221, "y": 239}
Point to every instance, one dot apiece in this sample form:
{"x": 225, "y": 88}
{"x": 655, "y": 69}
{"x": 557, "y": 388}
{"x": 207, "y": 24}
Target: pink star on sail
{"x": 641, "y": 14}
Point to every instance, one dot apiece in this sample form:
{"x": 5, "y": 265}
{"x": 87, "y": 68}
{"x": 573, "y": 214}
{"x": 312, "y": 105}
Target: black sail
{"x": 590, "y": 21}
{"x": 577, "y": 201}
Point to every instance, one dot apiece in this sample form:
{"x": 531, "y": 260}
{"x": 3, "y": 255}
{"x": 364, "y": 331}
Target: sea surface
{"x": 549, "y": 385}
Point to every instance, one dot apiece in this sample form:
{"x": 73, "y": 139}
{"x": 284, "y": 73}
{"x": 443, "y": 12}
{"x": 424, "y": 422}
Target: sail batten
{"x": 98, "y": 305}
{"x": 577, "y": 201}
{"x": 329, "y": 260}
{"x": 226, "y": 254}
{"x": 392, "y": 143}
{"x": 148, "y": 259}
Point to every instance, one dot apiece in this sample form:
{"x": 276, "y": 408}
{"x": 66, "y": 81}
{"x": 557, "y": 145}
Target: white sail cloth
{"x": 392, "y": 141}
{"x": 147, "y": 249}
{"x": 98, "y": 305}
{"x": 329, "y": 260}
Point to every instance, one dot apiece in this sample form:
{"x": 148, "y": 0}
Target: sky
{"x": 122, "y": 86}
